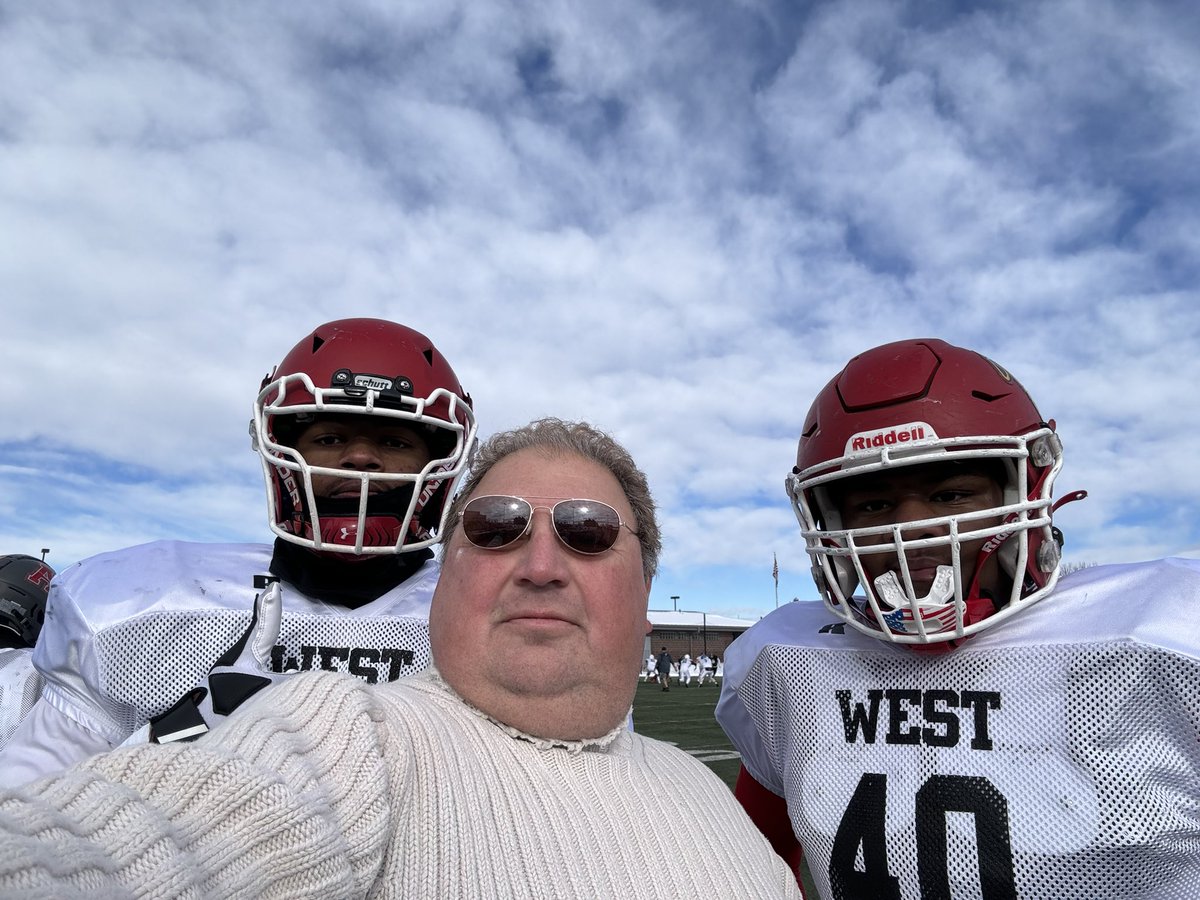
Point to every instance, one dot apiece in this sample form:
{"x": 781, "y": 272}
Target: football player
{"x": 953, "y": 720}
{"x": 363, "y": 430}
{"x": 24, "y": 581}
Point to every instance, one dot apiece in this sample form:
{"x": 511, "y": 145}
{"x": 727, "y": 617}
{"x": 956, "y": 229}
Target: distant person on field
{"x": 663, "y": 665}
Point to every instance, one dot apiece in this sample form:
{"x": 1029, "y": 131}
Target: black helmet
{"x": 24, "y": 584}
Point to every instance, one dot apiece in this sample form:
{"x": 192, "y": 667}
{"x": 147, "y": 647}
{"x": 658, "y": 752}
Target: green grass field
{"x": 684, "y": 716}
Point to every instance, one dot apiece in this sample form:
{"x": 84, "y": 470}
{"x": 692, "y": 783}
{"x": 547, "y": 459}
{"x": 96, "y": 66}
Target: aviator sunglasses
{"x": 496, "y": 521}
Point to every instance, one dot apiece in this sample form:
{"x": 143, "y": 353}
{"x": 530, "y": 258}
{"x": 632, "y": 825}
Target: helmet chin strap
{"x": 887, "y": 588}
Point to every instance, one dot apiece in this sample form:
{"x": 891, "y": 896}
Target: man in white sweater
{"x": 505, "y": 772}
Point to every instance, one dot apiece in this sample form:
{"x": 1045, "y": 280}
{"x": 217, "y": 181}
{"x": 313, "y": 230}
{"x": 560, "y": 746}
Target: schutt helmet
{"x": 367, "y": 367}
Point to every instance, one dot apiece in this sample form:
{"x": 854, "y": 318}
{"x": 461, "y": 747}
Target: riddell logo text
{"x": 995, "y": 541}
{"x": 901, "y": 434}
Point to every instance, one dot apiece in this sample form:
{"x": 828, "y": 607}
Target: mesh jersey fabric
{"x": 1056, "y": 755}
{"x": 20, "y": 685}
{"x": 128, "y": 632}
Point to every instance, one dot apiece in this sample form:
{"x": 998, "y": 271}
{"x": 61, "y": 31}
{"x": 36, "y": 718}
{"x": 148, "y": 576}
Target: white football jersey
{"x": 128, "y": 633}
{"x": 20, "y": 685}
{"x": 1055, "y": 755}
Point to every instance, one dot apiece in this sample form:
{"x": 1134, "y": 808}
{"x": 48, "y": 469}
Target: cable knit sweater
{"x": 324, "y": 786}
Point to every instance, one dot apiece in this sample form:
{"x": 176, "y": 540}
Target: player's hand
{"x": 240, "y": 673}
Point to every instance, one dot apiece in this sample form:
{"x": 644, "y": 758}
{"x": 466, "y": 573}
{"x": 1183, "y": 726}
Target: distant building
{"x": 693, "y": 633}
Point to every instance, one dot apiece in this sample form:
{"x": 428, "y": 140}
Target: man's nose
{"x": 918, "y": 509}
{"x": 361, "y": 454}
{"x": 543, "y": 558}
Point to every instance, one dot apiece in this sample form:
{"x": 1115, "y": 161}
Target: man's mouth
{"x": 537, "y": 617}
{"x": 353, "y": 490}
{"x": 922, "y": 570}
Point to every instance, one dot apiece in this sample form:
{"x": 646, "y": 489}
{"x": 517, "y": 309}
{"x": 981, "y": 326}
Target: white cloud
{"x": 676, "y": 221}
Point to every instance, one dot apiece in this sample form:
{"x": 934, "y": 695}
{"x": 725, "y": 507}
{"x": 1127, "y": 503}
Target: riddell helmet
{"x": 24, "y": 583}
{"x": 911, "y": 403}
{"x": 373, "y": 368}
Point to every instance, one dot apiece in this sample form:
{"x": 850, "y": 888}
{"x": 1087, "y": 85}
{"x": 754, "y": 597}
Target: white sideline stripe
{"x": 708, "y": 756}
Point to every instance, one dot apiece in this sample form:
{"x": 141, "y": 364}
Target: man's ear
{"x": 649, "y": 627}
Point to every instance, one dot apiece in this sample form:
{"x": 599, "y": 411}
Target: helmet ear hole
{"x": 1045, "y": 450}
{"x": 1048, "y": 556}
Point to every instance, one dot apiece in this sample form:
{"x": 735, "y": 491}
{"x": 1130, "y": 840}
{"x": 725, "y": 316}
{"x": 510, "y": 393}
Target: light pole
{"x": 675, "y": 602}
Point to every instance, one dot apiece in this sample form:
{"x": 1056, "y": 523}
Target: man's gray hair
{"x": 554, "y": 437}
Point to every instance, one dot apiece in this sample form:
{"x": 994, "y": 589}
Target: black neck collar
{"x": 349, "y": 584}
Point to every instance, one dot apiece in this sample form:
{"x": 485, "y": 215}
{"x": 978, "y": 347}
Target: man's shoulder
{"x": 1153, "y": 602}
{"x": 157, "y": 557}
{"x": 801, "y": 623}
{"x": 416, "y": 701}
{"x": 145, "y": 576}
{"x": 1170, "y": 575}
{"x": 411, "y": 597}
{"x": 1140, "y": 601}
{"x": 16, "y": 668}
{"x": 669, "y": 764}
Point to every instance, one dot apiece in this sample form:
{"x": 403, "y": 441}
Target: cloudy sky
{"x": 675, "y": 219}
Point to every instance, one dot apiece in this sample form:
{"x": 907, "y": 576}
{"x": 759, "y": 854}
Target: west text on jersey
{"x": 944, "y": 714}
{"x": 368, "y": 663}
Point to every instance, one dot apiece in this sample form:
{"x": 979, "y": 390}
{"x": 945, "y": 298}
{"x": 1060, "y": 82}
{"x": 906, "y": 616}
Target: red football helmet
{"x": 912, "y": 403}
{"x": 368, "y": 367}
{"x": 24, "y": 584}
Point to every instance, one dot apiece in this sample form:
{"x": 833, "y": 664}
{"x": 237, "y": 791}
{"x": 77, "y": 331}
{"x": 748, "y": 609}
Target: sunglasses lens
{"x": 493, "y": 522}
{"x": 587, "y": 526}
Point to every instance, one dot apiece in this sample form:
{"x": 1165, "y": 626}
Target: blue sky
{"x": 676, "y": 220}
